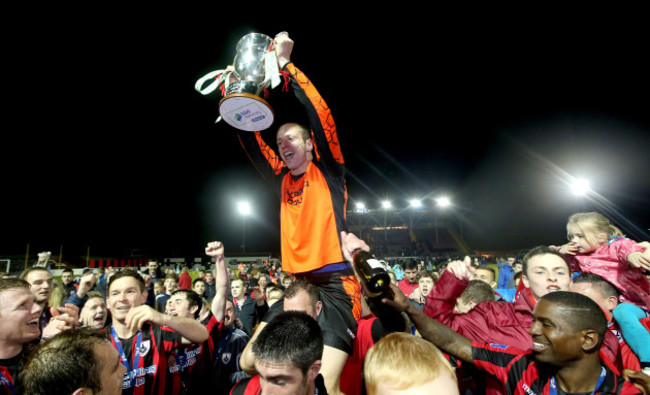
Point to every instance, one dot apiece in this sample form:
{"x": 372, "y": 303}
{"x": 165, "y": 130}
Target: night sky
{"x": 107, "y": 144}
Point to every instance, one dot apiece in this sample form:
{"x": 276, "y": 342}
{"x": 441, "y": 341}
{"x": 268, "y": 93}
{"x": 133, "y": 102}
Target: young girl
{"x": 596, "y": 246}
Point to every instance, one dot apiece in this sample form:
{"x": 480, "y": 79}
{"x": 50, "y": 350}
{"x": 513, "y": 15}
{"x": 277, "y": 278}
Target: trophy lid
{"x": 254, "y": 40}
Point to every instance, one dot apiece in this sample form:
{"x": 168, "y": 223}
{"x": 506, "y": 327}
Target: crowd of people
{"x": 567, "y": 319}
{"x": 147, "y": 331}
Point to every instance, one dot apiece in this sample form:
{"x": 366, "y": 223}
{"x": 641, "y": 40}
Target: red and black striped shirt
{"x": 520, "y": 374}
{"x": 148, "y": 373}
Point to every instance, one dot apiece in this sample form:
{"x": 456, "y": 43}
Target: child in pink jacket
{"x": 596, "y": 246}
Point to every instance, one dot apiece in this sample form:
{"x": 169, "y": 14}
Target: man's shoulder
{"x": 239, "y": 334}
{"x": 405, "y": 282}
{"x": 247, "y": 386}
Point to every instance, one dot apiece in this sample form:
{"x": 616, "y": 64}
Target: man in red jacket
{"x": 545, "y": 271}
{"x": 185, "y": 280}
{"x": 499, "y": 322}
{"x": 409, "y": 283}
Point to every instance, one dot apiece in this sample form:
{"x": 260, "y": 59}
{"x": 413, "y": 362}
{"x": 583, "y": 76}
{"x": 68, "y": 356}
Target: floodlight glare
{"x": 244, "y": 208}
{"x": 443, "y": 201}
{"x": 386, "y": 204}
{"x": 416, "y": 203}
{"x": 360, "y": 205}
{"x": 580, "y": 187}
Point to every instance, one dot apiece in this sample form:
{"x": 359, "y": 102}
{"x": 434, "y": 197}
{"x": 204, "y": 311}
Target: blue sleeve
{"x": 76, "y": 300}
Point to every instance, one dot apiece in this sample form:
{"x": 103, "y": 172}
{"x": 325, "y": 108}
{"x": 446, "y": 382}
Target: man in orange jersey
{"x": 310, "y": 169}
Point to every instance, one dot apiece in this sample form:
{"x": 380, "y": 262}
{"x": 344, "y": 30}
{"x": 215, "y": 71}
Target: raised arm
{"x": 321, "y": 122}
{"x": 190, "y": 329}
{"x": 78, "y": 298}
{"x": 215, "y": 249}
{"x": 441, "y": 335}
{"x": 441, "y": 301}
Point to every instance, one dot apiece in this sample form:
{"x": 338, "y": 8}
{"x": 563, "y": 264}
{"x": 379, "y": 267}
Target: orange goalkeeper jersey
{"x": 312, "y": 205}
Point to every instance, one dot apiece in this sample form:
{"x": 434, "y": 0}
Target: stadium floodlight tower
{"x": 245, "y": 210}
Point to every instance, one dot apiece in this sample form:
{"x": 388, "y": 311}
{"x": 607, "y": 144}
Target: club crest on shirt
{"x": 144, "y": 347}
{"x": 225, "y": 358}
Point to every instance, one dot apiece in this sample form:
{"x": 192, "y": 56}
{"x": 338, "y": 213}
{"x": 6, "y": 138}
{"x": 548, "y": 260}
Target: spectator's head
{"x": 237, "y": 289}
{"x": 590, "y": 230}
{"x": 545, "y": 270}
{"x": 426, "y": 280}
{"x": 209, "y": 276}
{"x": 273, "y": 294}
{"x": 401, "y": 363}
{"x": 410, "y": 270}
{"x": 295, "y": 147}
{"x": 94, "y": 311}
{"x": 152, "y": 267}
{"x": 477, "y": 291}
{"x": 263, "y": 281}
{"x": 185, "y": 303}
{"x": 597, "y": 289}
{"x": 198, "y": 286}
{"x": 486, "y": 274}
{"x": 78, "y": 361}
{"x": 40, "y": 281}
{"x": 19, "y": 315}
{"x": 230, "y": 316}
{"x": 510, "y": 260}
{"x": 286, "y": 280}
{"x": 67, "y": 275}
{"x": 158, "y": 287}
{"x": 567, "y": 327}
{"x": 255, "y": 273}
{"x": 302, "y": 295}
{"x": 288, "y": 353}
{"x": 171, "y": 282}
{"x": 517, "y": 267}
{"x": 125, "y": 291}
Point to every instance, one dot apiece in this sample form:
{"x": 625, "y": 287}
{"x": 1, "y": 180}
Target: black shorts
{"x": 340, "y": 296}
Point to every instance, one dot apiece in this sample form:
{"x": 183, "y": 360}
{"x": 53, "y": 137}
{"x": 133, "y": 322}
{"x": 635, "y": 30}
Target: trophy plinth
{"x": 255, "y": 69}
{"x": 246, "y": 111}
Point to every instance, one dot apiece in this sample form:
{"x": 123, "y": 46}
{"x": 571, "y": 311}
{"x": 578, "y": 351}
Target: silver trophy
{"x": 255, "y": 69}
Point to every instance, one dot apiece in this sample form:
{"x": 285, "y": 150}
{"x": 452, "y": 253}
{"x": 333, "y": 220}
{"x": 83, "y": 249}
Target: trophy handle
{"x": 219, "y": 77}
